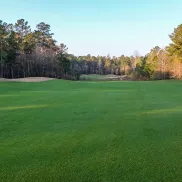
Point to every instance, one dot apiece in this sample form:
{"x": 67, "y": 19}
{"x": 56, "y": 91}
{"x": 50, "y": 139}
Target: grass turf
{"x": 91, "y": 131}
{"x": 96, "y": 77}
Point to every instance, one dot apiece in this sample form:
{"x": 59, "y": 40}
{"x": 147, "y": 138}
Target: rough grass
{"x": 91, "y": 131}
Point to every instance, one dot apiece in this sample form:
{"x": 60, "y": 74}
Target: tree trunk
{"x": 12, "y": 74}
{"x": 28, "y": 68}
{"x": 2, "y": 70}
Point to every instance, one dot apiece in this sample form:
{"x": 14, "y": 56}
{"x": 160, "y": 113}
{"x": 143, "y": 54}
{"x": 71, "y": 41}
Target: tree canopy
{"x": 25, "y": 52}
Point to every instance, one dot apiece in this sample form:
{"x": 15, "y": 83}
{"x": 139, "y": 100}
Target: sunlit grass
{"x": 22, "y": 107}
{"x": 164, "y": 111}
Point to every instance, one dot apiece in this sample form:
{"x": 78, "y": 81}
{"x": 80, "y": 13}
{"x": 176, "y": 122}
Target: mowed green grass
{"x": 91, "y": 131}
{"x": 95, "y": 77}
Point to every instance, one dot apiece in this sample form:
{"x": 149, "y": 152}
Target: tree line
{"x": 27, "y": 53}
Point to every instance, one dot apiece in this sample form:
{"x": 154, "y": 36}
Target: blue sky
{"x": 101, "y": 27}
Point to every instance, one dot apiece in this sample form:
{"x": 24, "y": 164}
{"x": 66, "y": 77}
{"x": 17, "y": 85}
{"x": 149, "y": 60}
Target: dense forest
{"x": 27, "y": 53}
